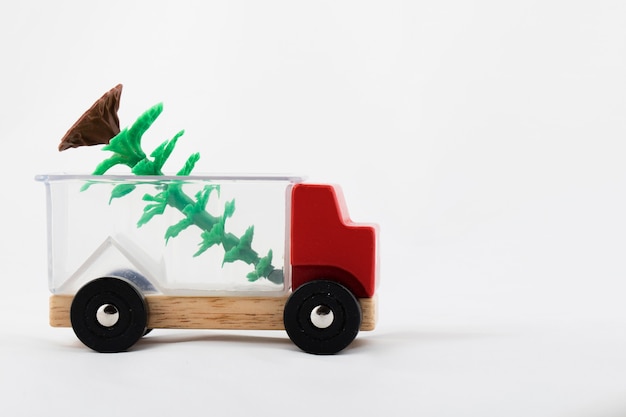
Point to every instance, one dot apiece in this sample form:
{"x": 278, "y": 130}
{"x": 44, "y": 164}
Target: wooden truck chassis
{"x": 243, "y": 313}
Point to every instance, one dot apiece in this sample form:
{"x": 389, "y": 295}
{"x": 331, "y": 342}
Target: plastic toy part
{"x": 158, "y": 257}
{"x": 97, "y": 125}
{"x": 326, "y": 243}
{"x": 127, "y": 150}
{"x": 109, "y": 315}
{"x": 322, "y": 317}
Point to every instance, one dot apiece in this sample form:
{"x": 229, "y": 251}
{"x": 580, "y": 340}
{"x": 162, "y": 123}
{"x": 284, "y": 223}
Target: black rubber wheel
{"x": 109, "y": 315}
{"x": 322, "y": 317}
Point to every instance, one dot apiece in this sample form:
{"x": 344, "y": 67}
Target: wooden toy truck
{"x": 112, "y": 281}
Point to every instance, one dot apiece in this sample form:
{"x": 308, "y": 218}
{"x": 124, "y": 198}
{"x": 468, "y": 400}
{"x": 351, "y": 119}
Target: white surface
{"x": 486, "y": 138}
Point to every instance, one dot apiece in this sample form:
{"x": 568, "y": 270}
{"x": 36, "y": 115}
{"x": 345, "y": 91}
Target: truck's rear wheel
{"x": 322, "y": 317}
{"x": 109, "y": 315}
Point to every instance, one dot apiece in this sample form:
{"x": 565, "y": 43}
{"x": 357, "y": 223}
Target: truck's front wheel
{"x": 322, "y": 317}
{"x": 109, "y": 315}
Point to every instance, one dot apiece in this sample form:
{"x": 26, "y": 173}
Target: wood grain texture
{"x": 250, "y": 313}
{"x": 60, "y": 310}
{"x": 244, "y": 313}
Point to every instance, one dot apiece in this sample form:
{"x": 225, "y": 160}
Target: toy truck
{"x": 113, "y": 282}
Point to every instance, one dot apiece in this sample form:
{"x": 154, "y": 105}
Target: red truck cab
{"x": 325, "y": 242}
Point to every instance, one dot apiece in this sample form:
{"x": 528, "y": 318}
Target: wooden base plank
{"x": 243, "y": 313}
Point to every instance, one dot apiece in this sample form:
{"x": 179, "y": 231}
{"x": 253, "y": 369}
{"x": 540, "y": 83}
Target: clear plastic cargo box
{"x": 94, "y": 231}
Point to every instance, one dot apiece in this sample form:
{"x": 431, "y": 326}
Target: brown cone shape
{"x": 96, "y": 126}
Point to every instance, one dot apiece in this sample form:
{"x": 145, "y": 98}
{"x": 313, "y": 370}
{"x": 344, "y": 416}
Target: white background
{"x": 486, "y": 138}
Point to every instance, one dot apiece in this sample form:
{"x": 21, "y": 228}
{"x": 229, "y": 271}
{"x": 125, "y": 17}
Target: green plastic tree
{"x": 127, "y": 150}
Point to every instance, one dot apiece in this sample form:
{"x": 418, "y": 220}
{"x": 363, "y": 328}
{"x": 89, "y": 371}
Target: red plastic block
{"x": 326, "y": 244}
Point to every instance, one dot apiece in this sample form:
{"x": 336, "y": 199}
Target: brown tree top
{"x": 98, "y": 124}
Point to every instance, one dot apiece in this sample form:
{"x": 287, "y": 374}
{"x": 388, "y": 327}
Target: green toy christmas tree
{"x": 127, "y": 150}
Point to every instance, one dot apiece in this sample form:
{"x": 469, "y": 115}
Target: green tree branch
{"x": 126, "y": 148}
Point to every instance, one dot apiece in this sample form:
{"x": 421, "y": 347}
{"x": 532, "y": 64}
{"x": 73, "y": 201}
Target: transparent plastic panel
{"x": 170, "y": 235}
